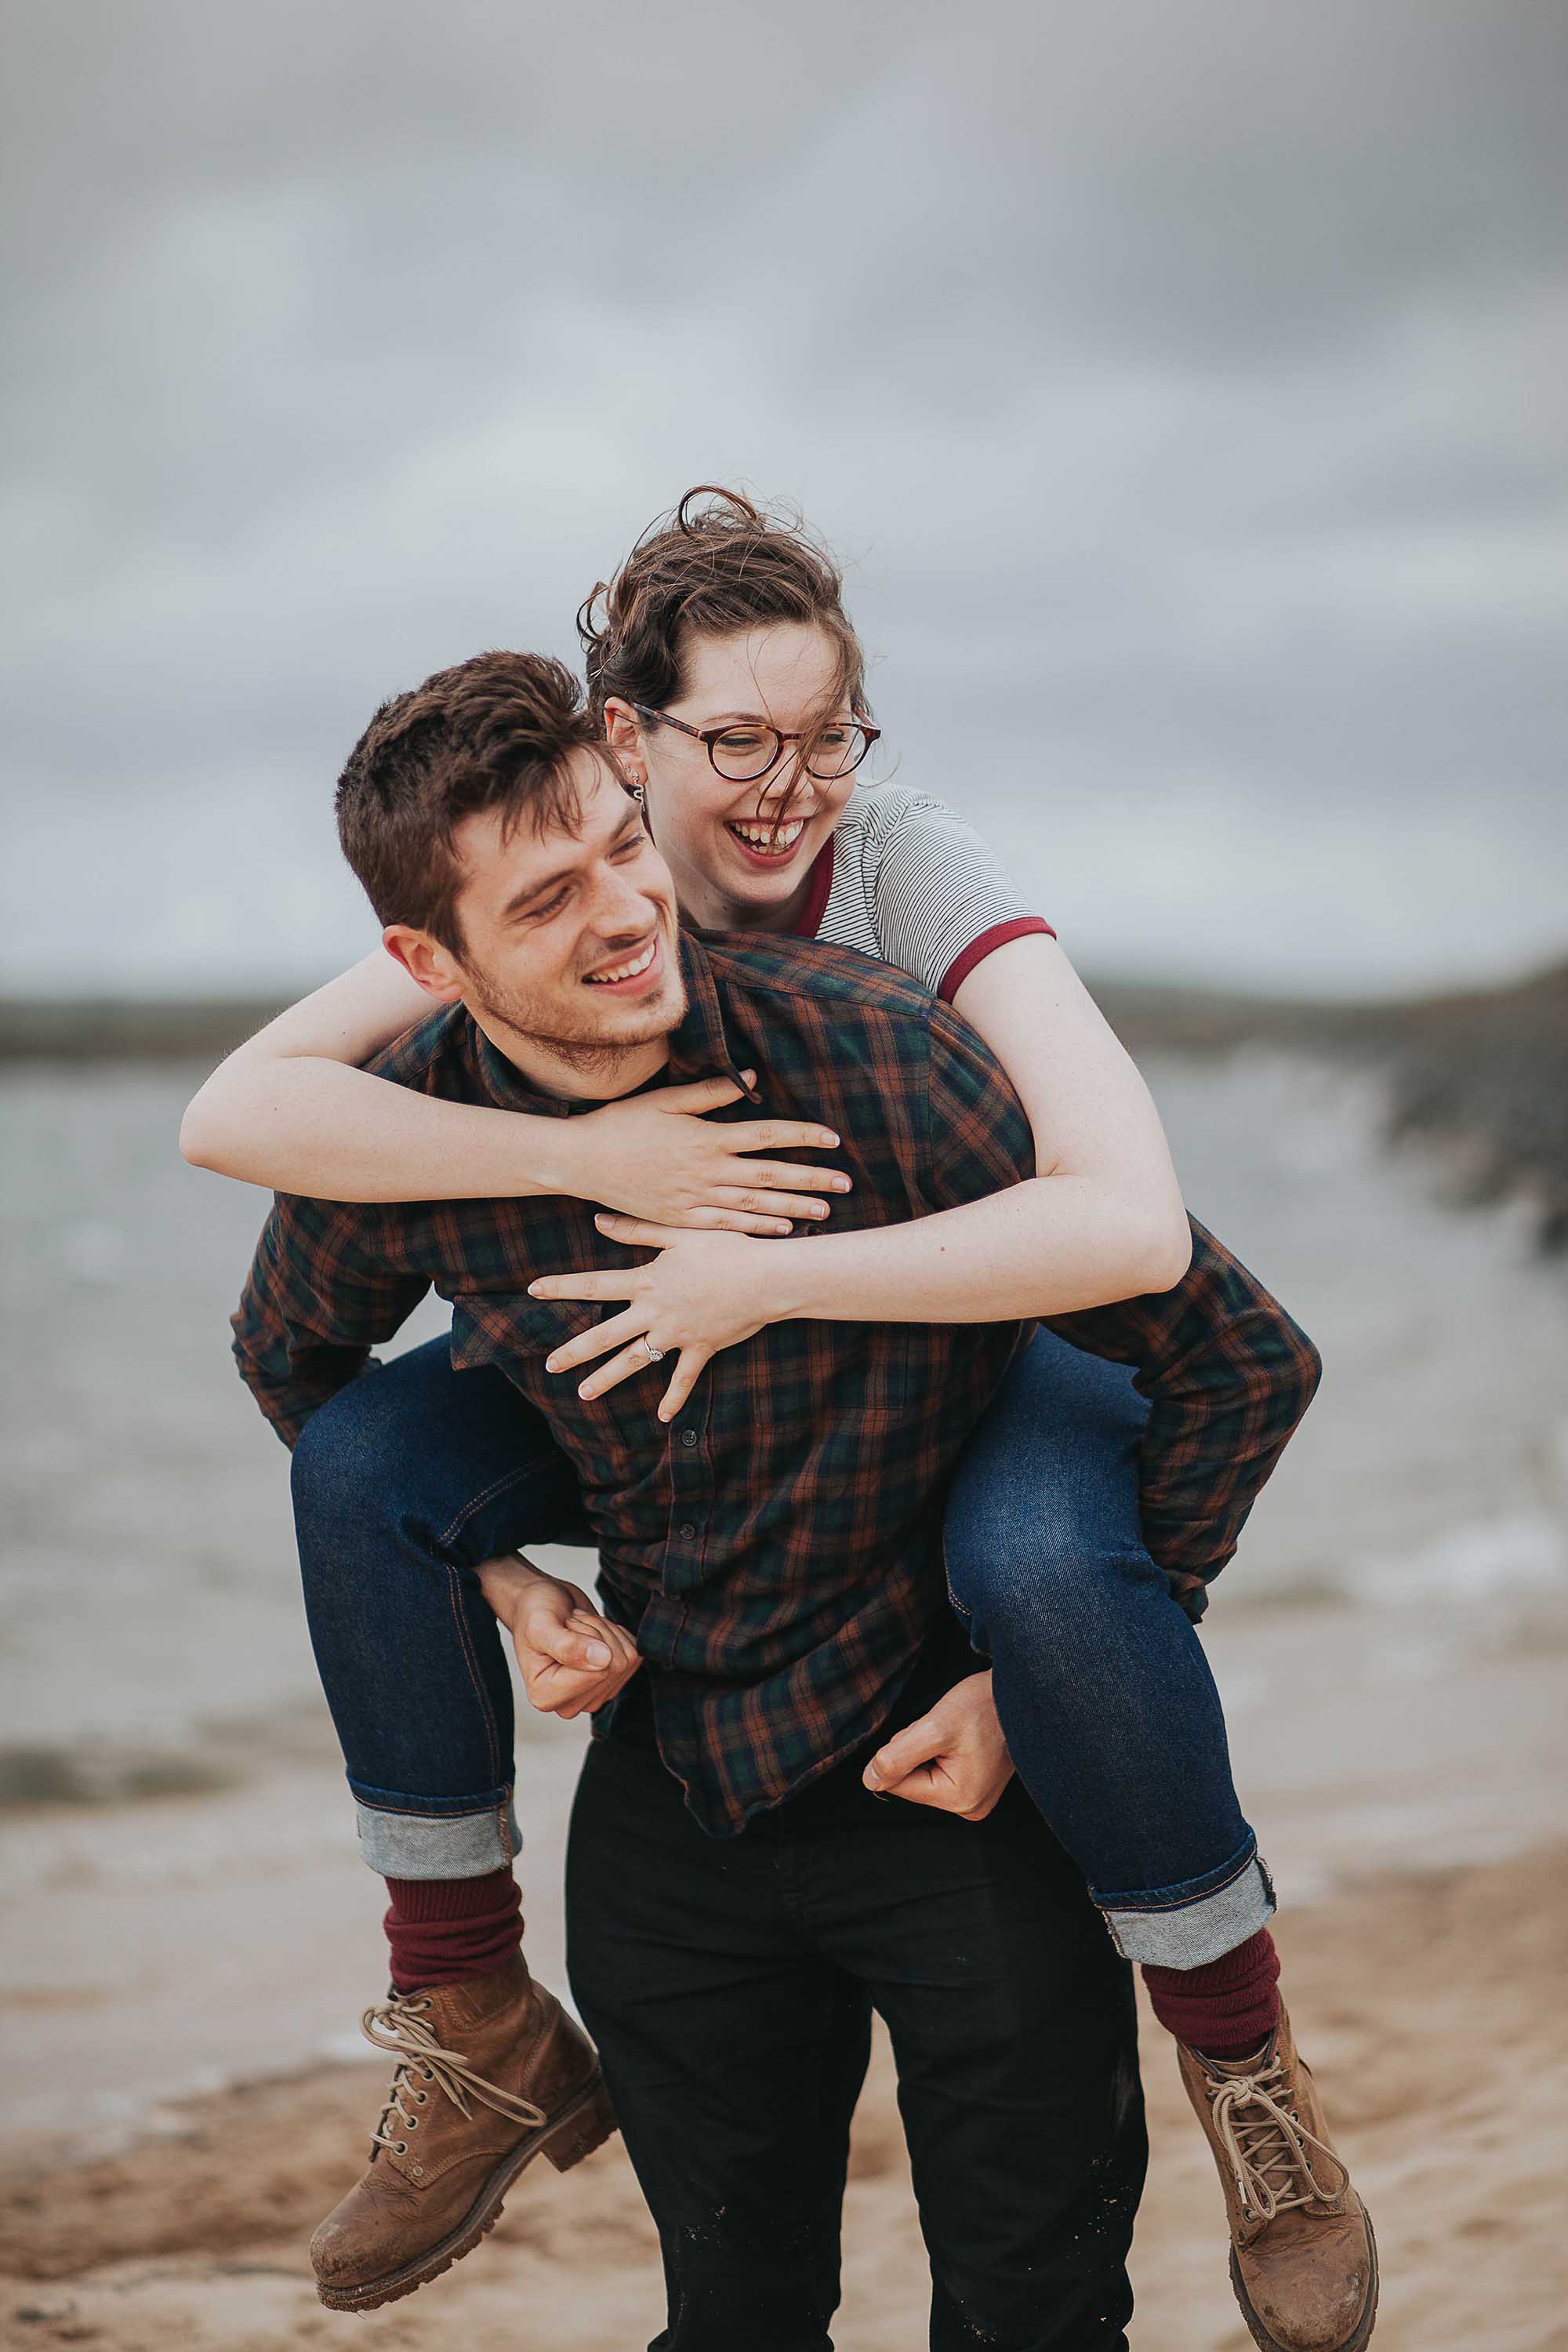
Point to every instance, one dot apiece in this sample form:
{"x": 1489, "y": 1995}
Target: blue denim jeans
{"x": 415, "y": 1473}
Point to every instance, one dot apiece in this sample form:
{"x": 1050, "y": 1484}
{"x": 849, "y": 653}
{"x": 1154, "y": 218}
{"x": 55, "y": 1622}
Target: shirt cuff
{"x": 977, "y": 951}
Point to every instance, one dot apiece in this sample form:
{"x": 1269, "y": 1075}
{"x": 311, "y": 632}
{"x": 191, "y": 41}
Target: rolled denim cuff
{"x": 464, "y": 1841}
{"x": 1174, "y": 1929}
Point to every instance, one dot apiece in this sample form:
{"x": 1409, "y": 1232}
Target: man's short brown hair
{"x": 495, "y": 732}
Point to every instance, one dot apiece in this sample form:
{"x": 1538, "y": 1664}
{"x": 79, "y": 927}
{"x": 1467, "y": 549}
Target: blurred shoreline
{"x": 1480, "y": 1072}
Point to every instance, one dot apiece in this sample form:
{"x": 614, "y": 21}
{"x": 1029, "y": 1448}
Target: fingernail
{"x": 601, "y": 1220}
{"x": 551, "y": 1365}
{"x": 750, "y": 1077}
{"x": 828, "y": 1137}
{"x": 871, "y": 1777}
{"x": 597, "y": 1655}
{"x": 841, "y": 1184}
{"x": 818, "y": 1209}
{"x": 534, "y": 1289}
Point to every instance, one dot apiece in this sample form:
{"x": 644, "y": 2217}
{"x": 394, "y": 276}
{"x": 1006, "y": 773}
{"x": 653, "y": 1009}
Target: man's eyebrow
{"x": 633, "y": 819}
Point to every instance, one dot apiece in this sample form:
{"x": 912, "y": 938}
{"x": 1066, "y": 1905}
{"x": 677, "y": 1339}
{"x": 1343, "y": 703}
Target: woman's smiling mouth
{"x": 769, "y": 844}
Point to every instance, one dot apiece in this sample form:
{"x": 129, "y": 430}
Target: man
{"x": 738, "y": 1900}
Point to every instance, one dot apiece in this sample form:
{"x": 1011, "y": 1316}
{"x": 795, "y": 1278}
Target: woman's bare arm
{"x": 1102, "y": 1220}
{"x": 290, "y": 1109}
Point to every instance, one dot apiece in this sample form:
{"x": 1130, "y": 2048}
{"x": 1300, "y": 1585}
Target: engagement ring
{"x": 654, "y": 1355}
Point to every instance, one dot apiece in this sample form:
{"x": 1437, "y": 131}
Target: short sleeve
{"x": 939, "y": 898}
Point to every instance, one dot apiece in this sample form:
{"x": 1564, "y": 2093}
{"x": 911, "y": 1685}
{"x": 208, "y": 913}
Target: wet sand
{"x": 1409, "y": 1779}
{"x": 1433, "y": 2012}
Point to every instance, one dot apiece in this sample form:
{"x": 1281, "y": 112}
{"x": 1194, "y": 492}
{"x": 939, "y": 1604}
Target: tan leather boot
{"x": 491, "y": 2072}
{"x": 1302, "y": 2259}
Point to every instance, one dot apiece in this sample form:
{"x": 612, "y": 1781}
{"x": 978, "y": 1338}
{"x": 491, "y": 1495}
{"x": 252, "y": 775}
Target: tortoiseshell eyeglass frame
{"x": 708, "y": 737}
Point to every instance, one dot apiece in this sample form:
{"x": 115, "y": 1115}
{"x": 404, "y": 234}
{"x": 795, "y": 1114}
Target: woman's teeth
{"x": 777, "y": 841}
{"x": 625, "y": 970}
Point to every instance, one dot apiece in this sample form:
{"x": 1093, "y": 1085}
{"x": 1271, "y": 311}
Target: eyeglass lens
{"x": 744, "y": 753}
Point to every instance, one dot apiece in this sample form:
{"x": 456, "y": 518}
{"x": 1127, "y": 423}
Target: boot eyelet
{"x": 401, "y": 2147}
{"x": 422, "y": 2097}
{"x": 413, "y": 2124}
{"x": 429, "y": 2073}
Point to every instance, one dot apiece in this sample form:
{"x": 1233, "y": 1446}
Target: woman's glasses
{"x": 746, "y": 750}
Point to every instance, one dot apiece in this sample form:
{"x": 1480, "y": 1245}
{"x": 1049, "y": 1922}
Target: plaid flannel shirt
{"x": 777, "y": 1549}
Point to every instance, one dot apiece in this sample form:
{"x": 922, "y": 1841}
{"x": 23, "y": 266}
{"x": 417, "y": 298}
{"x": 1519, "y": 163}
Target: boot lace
{"x": 399, "y": 2025}
{"x": 1268, "y": 2143}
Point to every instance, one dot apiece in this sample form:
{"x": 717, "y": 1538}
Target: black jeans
{"x": 730, "y": 1985}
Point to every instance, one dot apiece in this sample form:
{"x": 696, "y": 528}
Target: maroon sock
{"x": 1225, "y": 2008}
{"x": 442, "y": 1930}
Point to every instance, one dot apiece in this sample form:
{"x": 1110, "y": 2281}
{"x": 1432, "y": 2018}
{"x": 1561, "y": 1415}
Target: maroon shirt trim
{"x": 977, "y": 951}
{"x": 819, "y": 884}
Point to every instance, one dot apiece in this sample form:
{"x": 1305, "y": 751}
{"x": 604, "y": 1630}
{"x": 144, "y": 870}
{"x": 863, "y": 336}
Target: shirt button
{"x": 687, "y": 1529}
{"x": 689, "y": 1437}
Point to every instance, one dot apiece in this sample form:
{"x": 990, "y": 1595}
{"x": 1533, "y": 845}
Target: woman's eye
{"x": 740, "y": 740}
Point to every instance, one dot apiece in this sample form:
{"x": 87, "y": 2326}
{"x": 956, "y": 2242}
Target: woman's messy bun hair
{"x": 714, "y": 566}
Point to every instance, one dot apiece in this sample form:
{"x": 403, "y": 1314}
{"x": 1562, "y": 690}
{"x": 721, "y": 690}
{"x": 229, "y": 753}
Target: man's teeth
{"x": 625, "y": 970}
{"x": 767, "y": 836}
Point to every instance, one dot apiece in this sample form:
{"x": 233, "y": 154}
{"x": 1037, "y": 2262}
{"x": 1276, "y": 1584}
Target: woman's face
{"x": 731, "y": 871}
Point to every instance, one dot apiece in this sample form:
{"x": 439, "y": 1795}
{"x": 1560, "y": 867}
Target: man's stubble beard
{"x": 588, "y": 1054}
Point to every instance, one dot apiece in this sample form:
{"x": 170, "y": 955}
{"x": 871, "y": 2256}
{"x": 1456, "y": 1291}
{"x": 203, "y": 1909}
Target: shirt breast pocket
{"x": 516, "y": 1334}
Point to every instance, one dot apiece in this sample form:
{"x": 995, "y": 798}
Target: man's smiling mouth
{"x": 632, "y": 969}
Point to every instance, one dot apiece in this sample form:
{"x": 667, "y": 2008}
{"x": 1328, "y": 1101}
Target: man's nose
{"x": 621, "y": 909}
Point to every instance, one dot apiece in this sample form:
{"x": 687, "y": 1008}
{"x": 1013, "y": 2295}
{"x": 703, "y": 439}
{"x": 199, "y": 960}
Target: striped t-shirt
{"x": 905, "y": 879}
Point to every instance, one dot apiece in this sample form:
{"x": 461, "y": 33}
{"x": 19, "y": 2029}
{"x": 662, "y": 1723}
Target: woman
{"x": 731, "y": 686}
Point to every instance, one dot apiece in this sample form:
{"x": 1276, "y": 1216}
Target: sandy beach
{"x": 1448, "y": 2097}
{"x": 1427, "y": 1997}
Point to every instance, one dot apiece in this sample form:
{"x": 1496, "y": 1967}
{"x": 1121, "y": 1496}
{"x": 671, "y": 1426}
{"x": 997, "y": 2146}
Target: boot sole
{"x": 566, "y": 2139}
{"x": 1267, "y": 2343}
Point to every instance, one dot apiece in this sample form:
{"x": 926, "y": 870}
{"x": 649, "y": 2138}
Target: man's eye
{"x": 551, "y": 907}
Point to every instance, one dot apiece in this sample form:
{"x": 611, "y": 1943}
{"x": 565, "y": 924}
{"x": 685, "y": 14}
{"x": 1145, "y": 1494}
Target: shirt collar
{"x": 697, "y": 1047}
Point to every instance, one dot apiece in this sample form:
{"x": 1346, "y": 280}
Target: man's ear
{"x": 426, "y": 961}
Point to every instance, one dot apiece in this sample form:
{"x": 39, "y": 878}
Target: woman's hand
{"x": 655, "y": 1156}
{"x": 954, "y": 1757}
{"x": 700, "y": 1293}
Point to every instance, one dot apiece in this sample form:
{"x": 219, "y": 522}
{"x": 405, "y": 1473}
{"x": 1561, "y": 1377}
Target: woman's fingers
{"x": 642, "y": 1232}
{"x": 597, "y": 1341}
{"x": 683, "y": 1380}
{"x": 620, "y": 1283}
{"x": 759, "y": 1203}
{"x": 777, "y": 1135}
{"x": 702, "y": 1220}
{"x": 783, "y": 1175}
{"x": 635, "y": 1359}
{"x": 698, "y": 1095}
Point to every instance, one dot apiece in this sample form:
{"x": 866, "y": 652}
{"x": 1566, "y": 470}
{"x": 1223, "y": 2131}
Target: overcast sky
{"x": 1181, "y": 381}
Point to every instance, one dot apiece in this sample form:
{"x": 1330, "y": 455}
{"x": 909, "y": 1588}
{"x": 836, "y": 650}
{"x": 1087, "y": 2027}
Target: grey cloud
{"x": 1182, "y": 386}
